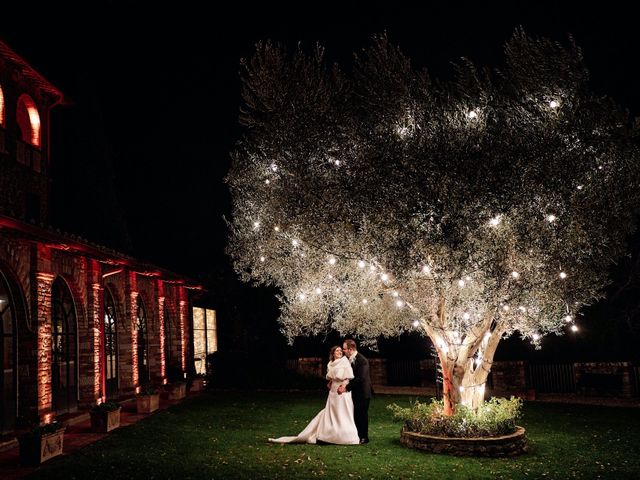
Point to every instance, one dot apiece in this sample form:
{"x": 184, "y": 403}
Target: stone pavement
{"x": 77, "y": 435}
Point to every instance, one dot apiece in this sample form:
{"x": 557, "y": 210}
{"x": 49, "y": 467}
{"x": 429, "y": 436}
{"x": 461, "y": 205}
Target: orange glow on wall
{"x": 28, "y": 120}
{"x": 45, "y": 354}
{"x": 163, "y": 360}
{"x": 135, "y": 375}
{"x": 98, "y": 343}
{"x": 183, "y": 330}
{"x": 1, "y": 107}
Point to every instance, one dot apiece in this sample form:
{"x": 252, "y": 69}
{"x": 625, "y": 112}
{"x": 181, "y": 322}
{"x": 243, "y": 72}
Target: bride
{"x": 334, "y": 424}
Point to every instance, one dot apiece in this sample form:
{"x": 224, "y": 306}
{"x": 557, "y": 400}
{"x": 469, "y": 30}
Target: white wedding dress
{"x": 334, "y": 424}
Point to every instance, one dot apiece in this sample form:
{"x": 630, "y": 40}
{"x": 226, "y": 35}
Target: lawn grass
{"x": 223, "y": 435}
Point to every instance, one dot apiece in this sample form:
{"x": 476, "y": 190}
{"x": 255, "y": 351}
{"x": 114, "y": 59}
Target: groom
{"x": 360, "y": 388}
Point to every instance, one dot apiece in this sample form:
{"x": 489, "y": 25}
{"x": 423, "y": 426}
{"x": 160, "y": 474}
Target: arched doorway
{"x": 64, "y": 349}
{"x": 110, "y": 344}
{"x": 7, "y": 358}
{"x": 143, "y": 343}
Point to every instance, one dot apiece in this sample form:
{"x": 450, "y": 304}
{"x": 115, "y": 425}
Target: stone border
{"x": 505, "y": 446}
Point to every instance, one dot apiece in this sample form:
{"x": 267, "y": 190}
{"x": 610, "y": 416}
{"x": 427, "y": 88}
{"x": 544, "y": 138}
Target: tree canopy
{"x": 382, "y": 200}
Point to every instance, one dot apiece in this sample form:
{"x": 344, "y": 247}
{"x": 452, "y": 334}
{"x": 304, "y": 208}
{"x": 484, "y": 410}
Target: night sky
{"x": 141, "y": 151}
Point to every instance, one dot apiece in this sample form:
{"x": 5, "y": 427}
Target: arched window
{"x": 7, "y": 358}
{"x": 64, "y": 345}
{"x": 1, "y": 107}
{"x": 143, "y": 345}
{"x": 28, "y": 120}
{"x": 110, "y": 344}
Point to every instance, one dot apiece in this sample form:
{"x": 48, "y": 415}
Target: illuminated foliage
{"x": 382, "y": 201}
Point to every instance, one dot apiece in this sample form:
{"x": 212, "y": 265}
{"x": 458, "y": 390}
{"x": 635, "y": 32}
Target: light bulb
{"x": 574, "y": 328}
{"x": 274, "y": 167}
{"x": 472, "y": 114}
{"x": 295, "y": 242}
{"x": 568, "y": 318}
{"x": 425, "y": 269}
{"x": 332, "y": 260}
{"x": 551, "y": 218}
{"x": 399, "y": 303}
{"x": 466, "y": 316}
{"x": 461, "y": 283}
{"x": 515, "y": 274}
{"x": 395, "y": 294}
{"x": 318, "y": 290}
{"x": 262, "y": 259}
{"x": 256, "y": 225}
{"x": 553, "y": 104}
{"x": 563, "y": 275}
{"x": 384, "y": 277}
{"x": 505, "y": 308}
{"x": 535, "y": 337}
{"x": 495, "y": 221}
{"x": 267, "y": 181}
{"x": 416, "y": 323}
{"x": 302, "y": 296}
{"x": 276, "y": 228}
{"x": 365, "y": 301}
{"x": 361, "y": 264}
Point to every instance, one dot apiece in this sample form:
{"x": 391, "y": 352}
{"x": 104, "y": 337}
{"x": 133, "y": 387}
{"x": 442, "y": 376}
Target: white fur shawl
{"x": 339, "y": 370}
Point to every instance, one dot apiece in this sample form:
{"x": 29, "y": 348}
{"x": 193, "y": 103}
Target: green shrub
{"x": 109, "y": 406}
{"x": 495, "y": 417}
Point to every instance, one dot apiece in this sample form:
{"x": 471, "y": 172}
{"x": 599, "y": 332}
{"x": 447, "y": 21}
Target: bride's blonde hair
{"x": 332, "y": 352}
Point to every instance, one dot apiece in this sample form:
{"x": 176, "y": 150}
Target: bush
{"x": 109, "y": 406}
{"x": 495, "y": 417}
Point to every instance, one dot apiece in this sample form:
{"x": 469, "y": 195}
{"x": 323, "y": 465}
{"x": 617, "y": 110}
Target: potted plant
{"x": 148, "y": 399}
{"x": 176, "y": 390}
{"x": 41, "y": 443}
{"x": 105, "y": 416}
{"x": 197, "y": 383}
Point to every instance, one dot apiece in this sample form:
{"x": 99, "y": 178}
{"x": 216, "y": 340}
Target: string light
{"x": 580, "y": 187}
{"x": 318, "y": 290}
{"x": 384, "y": 277}
{"x": 568, "y": 318}
{"x": 551, "y": 218}
{"x": 267, "y": 181}
{"x": 399, "y": 304}
{"x": 332, "y": 260}
{"x": 295, "y": 242}
{"x": 574, "y": 328}
{"x": 563, "y": 275}
{"x": 515, "y": 274}
{"x": 276, "y": 228}
{"x": 553, "y": 104}
{"x": 256, "y": 225}
{"x": 262, "y": 259}
{"x": 472, "y": 114}
{"x": 495, "y": 221}
{"x": 361, "y": 264}
{"x": 365, "y": 301}
{"x": 425, "y": 269}
{"x": 416, "y": 323}
{"x": 535, "y": 337}
{"x": 461, "y": 283}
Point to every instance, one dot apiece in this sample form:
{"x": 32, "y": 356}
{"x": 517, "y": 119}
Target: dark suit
{"x": 361, "y": 391}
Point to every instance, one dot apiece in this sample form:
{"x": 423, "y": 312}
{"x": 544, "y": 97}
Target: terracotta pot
{"x": 38, "y": 448}
{"x": 148, "y": 403}
{"x": 103, "y": 421}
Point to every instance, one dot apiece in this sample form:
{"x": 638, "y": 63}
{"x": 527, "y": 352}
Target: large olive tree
{"x": 382, "y": 200}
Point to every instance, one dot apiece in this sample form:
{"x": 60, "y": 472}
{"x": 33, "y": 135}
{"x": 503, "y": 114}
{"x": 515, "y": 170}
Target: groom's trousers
{"x": 361, "y": 416}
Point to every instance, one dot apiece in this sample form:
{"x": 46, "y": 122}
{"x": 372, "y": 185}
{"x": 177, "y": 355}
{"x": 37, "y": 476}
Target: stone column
{"x": 184, "y": 332}
{"x": 127, "y": 340}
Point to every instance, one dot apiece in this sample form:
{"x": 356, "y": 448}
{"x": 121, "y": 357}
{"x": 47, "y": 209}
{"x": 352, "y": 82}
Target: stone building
{"x": 79, "y": 322}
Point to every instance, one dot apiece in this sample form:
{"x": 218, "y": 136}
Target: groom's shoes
{"x": 363, "y": 441}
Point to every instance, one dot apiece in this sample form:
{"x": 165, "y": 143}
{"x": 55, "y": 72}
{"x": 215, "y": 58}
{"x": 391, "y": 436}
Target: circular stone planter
{"x": 505, "y": 446}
